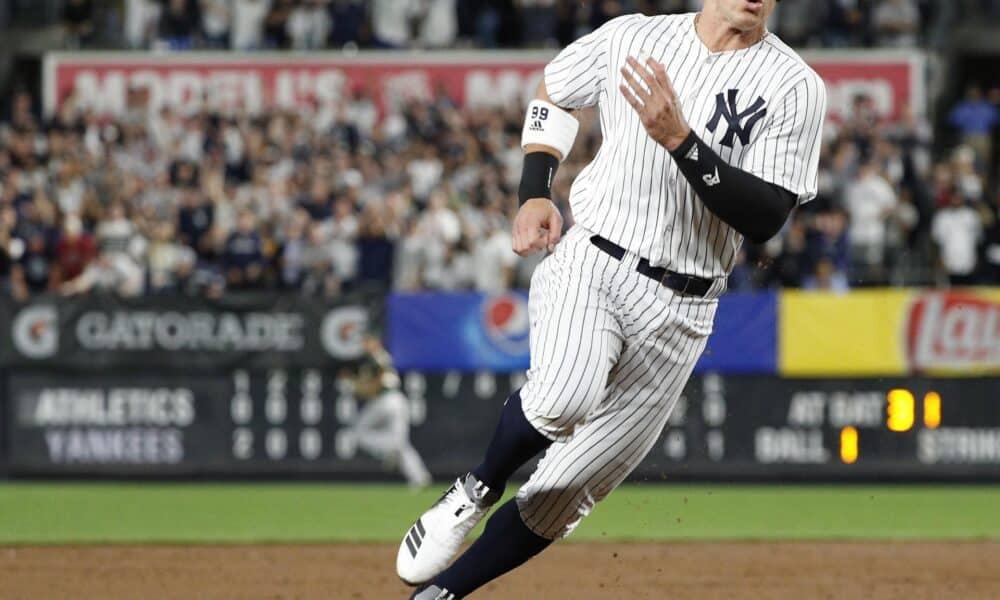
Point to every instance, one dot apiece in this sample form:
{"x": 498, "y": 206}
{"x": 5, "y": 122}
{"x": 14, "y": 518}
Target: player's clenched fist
{"x": 537, "y": 226}
{"x": 656, "y": 102}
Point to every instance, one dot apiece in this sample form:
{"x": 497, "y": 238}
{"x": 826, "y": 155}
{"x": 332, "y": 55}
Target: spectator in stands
{"x": 117, "y": 233}
{"x": 827, "y": 237}
{"x": 800, "y": 21}
{"x": 538, "y": 22}
{"x": 376, "y": 250}
{"x": 869, "y": 199}
{"x": 70, "y": 189}
{"x": 342, "y": 233}
{"x": 22, "y": 113}
{"x": 897, "y": 23}
{"x": 7, "y": 250}
{"x": 110, "y": 272}
{"x": 216, "y": 19}
{"x": 392, "y": 21}
{"x": 78, "y": 22}
{"x": 425, "y": 172}
{"x": 826, "y": 277}
{"x": 74, "y": 250}
{"x": 248, "y": 24}
{"x": 991, "y": 245}
{"x": 845, "y": 23}
{"x": 243, "y": 254}
{"x": 276, "y": 24}
{"x": 438, "y": 24}
{"x": 965, "y": 174}
{"x": 974, "y": 119}
{"x": 347, "y": 23}
{"x": 141, "y": 22}
{"x": 290, "y": 256}
{"x": 319, "y": 201}
{"x": 783, "y": 261}
{"x": 957, "y": 231}
{"x": 901, "y": 223}
{"x": 33, "y": 272}
{"x": 318, "y": 278}
{"x": 169, "y": 262}
{"x": 179, "y": 24}
{"x": 492, "y": 262}
{"x": 309, "y": 25}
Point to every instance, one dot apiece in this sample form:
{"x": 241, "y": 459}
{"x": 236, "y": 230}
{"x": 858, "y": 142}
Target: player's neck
{"x": 720, "y": 36}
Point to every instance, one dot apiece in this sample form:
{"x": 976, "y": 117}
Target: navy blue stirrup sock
{"x": 514, "y": 442}
{"x": 506, "y": 544}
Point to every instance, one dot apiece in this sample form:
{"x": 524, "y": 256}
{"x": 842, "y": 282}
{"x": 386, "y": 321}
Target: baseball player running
{"x": 382, "y": 426}
{"x": 712, "y": 134}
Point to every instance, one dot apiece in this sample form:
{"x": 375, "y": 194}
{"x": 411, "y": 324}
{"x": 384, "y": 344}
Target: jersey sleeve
{"x": 575, "y": 77}
{"x": 787, "y": 151}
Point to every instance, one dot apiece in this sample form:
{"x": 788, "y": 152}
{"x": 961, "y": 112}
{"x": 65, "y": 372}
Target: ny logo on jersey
{"x": 737, "y": 127}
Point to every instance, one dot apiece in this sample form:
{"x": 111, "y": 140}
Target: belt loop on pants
{"x": 687, "y": 285}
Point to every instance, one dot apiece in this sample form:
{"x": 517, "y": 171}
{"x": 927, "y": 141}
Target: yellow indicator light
{"x": 849, "y": 445}
{"x": 900, "y": 410}
{"x": 932, "y": 410}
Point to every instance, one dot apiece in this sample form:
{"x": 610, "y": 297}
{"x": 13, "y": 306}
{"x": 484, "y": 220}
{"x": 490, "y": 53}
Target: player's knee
{"x": 553, "y": 512}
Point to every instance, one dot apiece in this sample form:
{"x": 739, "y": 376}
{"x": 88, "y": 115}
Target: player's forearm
{"x": 754, "y": 207}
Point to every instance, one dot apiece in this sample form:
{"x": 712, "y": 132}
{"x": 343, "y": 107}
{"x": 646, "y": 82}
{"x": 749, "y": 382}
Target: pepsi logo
{"x": 506, "y": 323}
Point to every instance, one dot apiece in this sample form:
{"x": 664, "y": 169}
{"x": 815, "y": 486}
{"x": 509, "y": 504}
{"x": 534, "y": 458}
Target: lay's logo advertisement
{"x": 955, "y": 331}
{"x": 889, "y": 332}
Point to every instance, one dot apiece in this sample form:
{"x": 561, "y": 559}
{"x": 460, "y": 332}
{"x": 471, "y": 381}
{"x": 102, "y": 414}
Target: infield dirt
{"x": 579, "y": 571}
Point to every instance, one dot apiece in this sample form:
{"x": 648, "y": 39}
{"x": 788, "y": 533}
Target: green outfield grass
{"x": 223, "y": 513}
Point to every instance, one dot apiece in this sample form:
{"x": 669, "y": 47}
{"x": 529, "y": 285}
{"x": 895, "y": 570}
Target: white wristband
{"x": 551, "y": 126}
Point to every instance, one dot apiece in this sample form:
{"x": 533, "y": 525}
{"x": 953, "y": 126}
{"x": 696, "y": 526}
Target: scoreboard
{"x": 754, "y": 426}
{"x": 299, "y": 422}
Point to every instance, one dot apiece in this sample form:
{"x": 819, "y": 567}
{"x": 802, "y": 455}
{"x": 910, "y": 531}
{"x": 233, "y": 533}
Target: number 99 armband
{"x": 548, "y": 125}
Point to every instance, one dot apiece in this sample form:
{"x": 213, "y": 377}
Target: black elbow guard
{"x": 754, "y": 207}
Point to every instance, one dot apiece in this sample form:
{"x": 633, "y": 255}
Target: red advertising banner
{"x": 229, "y": 82}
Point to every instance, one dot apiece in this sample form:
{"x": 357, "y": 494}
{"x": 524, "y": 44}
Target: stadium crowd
{"x": 317, "y": 24}
{"x": 892, "y": 209}
{"x": 421, "y": 197}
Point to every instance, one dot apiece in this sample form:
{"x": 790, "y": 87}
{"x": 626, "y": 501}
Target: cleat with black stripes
{"x": 432, "y": 592}
{"x": 434, "y": 540}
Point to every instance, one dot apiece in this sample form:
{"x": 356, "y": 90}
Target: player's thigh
{"x": 575, "y": 338}
{"x": 577, "y": 474}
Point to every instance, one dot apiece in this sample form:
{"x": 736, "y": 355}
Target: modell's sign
{"x": 109, "y": 83}
{"x": 954, "y": 332}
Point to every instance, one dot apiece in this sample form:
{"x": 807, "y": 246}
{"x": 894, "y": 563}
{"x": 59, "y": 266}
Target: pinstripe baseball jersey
{"x": 761, "y": 108}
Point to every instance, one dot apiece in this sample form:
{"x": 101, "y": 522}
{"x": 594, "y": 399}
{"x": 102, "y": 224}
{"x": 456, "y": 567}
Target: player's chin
{"x": 748, "y": 22}
{"x": 750, "y": 17}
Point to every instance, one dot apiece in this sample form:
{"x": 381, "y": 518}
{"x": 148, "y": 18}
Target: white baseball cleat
{"x": 434, "y": 540}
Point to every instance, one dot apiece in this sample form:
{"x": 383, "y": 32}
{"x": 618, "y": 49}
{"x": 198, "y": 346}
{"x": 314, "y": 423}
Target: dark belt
{"x": 682, "y": 284}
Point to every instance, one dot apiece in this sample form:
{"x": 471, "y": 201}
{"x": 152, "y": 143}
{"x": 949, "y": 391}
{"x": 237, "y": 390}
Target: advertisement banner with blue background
{"x": 476, "y": 332}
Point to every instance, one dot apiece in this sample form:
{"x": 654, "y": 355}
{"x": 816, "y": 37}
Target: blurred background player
{"x": 382, "y": 426}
